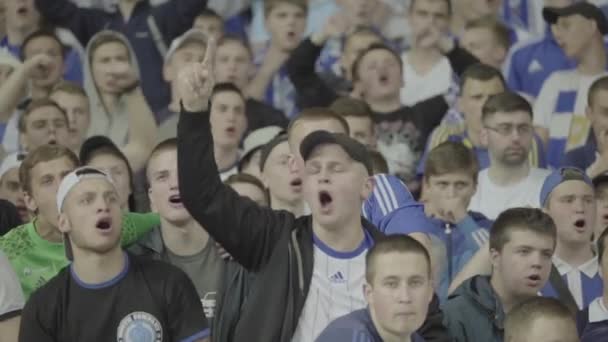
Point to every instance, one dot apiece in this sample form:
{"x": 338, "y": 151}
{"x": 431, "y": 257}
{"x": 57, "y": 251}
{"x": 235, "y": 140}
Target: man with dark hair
{"x": 302, "y": 262}
{"x": 210, "y": 23}
{"x": 43, "y": 122}
{"x": 284, "y": 185}
{"x": 456, "y": 234}
{"x": 522, "y": 241}
{"x": 360, "y": 119}
{"x": 592, "y": 156}
{"x": 229, "y": 124}
{"x": 477, "y": 84}
{"x": 398, "y": 289}
{"x": 106, "y": 293}
{"x": 592, "y": 322}
{"x": 510, "y": 181}
{"x": 249, "y": 186}
{"x": 541, "y": 319}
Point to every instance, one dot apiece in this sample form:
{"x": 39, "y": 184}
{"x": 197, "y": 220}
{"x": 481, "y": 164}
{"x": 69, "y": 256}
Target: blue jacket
{"x": 460, "y": 242}
{"x": 172, "y": 19}
{"x": 357, "y": 326}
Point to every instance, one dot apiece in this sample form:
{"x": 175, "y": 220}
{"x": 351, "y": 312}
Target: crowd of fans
{"x": 303, "y": 170}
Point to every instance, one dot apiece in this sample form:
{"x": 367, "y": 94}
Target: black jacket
{"x": 273, "y": 244}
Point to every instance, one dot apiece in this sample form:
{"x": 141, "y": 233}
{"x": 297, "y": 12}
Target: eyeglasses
{"x": 507, "y": 129}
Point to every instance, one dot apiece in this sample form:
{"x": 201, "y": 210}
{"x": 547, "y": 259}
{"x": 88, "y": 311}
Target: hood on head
{"x": 113, "y": 125}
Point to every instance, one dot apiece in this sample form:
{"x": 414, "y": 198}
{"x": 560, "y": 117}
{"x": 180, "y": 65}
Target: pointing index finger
{"x": 209, "y": 52}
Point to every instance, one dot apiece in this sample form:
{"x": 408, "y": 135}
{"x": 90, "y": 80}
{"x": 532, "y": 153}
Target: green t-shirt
{"x": 36, "y": 260}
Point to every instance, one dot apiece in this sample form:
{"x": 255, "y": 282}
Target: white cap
{"x": 75, "y": 177}
{"x": 7, "y": 58}
{"x": 260, "y": 137}
{"x": 190, "y": 35}
{"x": 10, "y": 162}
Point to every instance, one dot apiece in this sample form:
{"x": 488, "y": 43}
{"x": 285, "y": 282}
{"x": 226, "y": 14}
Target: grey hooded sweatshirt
{"x": 114, "y": 125}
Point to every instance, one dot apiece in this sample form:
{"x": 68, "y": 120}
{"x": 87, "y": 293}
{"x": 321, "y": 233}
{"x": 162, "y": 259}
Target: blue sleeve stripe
{"x": 199, "y": 335}
{"x": 379, "y": 198}
{"x": 388, "y": 194}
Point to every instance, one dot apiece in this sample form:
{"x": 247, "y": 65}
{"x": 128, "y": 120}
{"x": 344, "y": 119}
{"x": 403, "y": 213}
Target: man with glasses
{"x": 509, "y": 181}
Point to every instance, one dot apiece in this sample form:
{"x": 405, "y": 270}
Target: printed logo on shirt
{"x": 337, "y": 278}
{"x": 208, "y": 302}
{"x": 139, "y": 326}
{"x": 142, "y": 34}
{"x": 535, "y": 66}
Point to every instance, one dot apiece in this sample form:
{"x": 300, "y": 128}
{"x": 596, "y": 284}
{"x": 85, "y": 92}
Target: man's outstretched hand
{"x": 195, "y": 81}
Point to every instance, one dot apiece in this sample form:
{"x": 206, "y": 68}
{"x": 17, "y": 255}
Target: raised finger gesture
{"x": 196, "y": 82}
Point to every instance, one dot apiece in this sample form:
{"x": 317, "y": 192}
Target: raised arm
{"x": 247, "y": 231}
{"x": 83, "y": 22}
{"x": 142, "y": 130}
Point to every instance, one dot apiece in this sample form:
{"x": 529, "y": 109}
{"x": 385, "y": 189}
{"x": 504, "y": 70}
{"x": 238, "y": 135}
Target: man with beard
{"x": 510, "y": 181}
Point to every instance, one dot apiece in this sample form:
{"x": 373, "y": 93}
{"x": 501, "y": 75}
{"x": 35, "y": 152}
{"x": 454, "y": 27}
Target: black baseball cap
{"x": 587, "y": 10}
{"x": 267, "y": 149}
{"x": 356, "y": 150}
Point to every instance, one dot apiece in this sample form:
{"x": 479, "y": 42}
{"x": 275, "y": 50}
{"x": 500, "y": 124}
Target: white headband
{"x": 74, "y": 177}
{"x": 10, "y": 162}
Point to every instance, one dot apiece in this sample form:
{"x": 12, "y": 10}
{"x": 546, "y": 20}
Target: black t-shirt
{"x": 148, "y": 301}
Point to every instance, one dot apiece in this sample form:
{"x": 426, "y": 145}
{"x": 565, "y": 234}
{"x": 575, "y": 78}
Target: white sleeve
{"x": 545, "y": 103}
{"x": 11, "y": 295}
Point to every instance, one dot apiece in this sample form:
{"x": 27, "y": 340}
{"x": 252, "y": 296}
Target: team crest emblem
{"x": 140, "y": 327}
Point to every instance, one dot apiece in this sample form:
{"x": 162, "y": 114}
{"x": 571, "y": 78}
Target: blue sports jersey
{"x": 531, "y": 62}
{"x": 562, "y": 101}
{"x": 389, "y": 194}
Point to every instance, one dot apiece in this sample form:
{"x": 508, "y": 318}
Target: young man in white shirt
{"x": 510, "y": 181}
